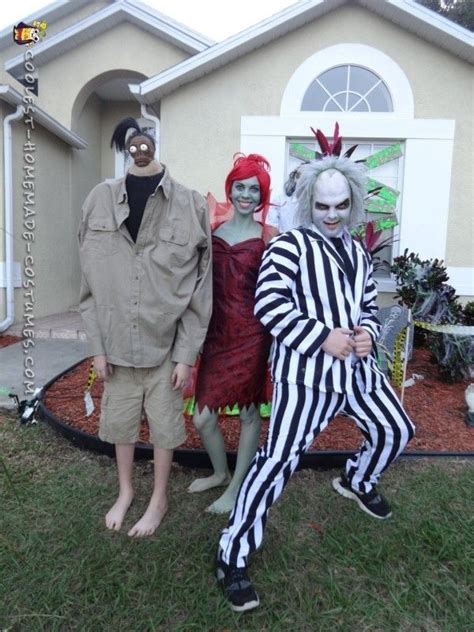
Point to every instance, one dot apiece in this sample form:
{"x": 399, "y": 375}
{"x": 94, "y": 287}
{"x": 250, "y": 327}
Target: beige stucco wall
{"x": 64, "y": 175}
{"x": 62, "y": 79}
{"x": 200, "y": 126}
{"x": 204, "y": 116}
{"x": 86, "y": 163}
{"x": 55, "y": 266}
{"x": 3, "y": 112}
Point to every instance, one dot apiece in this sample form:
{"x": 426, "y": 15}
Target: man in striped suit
{"x": 316, "y": 295}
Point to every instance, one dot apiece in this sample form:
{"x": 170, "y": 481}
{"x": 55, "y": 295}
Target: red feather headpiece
{"x": 331, "y": 150}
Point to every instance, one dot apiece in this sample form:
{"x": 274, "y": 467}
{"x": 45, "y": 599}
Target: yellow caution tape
{"x": 397, "y": 369}
{"x": 91, "y": 377}
{"x": 397, "y": 366}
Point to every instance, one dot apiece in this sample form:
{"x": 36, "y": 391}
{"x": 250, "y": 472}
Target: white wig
{"x": 355, "y": 174}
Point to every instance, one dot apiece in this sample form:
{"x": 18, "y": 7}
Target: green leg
{"x": 248, "y": 443}
{"x": 205, "y": 422}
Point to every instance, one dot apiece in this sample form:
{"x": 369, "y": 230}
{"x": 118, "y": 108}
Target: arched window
{"x": 347, "y": 88}
{"x": 353, "y": 79}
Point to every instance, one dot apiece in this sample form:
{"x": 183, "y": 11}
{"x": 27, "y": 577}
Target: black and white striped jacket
{"x": 302, "y": 294}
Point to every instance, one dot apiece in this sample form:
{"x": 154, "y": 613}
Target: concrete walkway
{"x": 65, "y": 326}
{"x": 59, "y": 343}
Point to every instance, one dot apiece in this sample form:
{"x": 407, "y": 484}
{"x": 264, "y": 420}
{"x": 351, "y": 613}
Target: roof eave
{"x": 430, "y": 26}
{"x": 103, "y": 20}
{"x": 51, "y": 13}
{"x": 406, "y": 13}
{"x": 14, "y": 98}
{"x": 232, "y": 48}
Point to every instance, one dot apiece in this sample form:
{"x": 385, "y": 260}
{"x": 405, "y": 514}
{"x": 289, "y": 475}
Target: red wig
{"x": 247, "y": 167}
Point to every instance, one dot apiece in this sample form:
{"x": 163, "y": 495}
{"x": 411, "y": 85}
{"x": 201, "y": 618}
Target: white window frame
{"x": 428, "y": 144}
{"x": 354, "y": 55}
{"x": 347, "y": 89}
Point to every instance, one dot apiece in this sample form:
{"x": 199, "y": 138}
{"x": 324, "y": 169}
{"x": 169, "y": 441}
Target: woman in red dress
{"x": 234, "y": 360}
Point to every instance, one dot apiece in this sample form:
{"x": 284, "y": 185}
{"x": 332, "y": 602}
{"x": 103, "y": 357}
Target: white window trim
{"x": 428, "y": 147}
{"x": 426, "y": 172}
{"x": 356, "y": 55}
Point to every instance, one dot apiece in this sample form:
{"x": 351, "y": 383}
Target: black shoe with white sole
{"x": 237, "y": 587}
{"x": 372, "y": 503}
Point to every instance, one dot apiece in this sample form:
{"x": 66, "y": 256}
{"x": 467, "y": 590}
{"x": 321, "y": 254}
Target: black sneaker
{"x": 237, "y": 587}
{"x": 372, "y": 503}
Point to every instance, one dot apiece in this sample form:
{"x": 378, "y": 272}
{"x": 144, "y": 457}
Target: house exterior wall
{"x": 6, "y": 110}
{"x": 86, "y": 167}
{"x": 54, "y": 261}
{"x": 3, "y": 112}
{"x": 205, "y": 122}
{"x": 209, "y": 111}
{"x": 64, "y": 176}
{"x": 62, "y": 79}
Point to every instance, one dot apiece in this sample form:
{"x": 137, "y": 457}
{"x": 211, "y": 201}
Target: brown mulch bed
{"x": 436, "y": 407}
{"x": 6, "y": 340}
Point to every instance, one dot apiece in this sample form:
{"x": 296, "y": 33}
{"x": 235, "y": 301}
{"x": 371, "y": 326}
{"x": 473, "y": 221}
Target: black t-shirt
{"x": 139, "y": 189}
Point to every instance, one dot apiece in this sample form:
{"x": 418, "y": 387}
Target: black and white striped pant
{"x": 298, "y": 415}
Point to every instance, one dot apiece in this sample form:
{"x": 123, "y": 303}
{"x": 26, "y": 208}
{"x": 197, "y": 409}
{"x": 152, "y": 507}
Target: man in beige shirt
{"x": 146, "y": 300}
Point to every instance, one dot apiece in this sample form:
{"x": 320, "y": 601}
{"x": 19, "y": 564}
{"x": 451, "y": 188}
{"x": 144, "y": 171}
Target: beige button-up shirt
{"x": 140, "y": 301}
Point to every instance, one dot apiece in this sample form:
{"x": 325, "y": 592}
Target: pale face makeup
{"x": 332, "y": 203}
{"x": 245, "y": 195}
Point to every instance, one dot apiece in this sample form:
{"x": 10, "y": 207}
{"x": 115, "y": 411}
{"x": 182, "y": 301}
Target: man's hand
{"x": 102, "y": 367}
{"x": 180, "y": 376}
{"x": 362, "y": 341}
{"x": 339, "y": 343}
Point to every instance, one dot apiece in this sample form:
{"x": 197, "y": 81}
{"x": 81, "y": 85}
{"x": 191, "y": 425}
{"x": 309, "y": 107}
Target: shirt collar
{"x": 165, "y": 182}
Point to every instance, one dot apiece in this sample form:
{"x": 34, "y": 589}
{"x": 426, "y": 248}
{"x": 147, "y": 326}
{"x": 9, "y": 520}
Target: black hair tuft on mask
{"x": 120, "y": 132}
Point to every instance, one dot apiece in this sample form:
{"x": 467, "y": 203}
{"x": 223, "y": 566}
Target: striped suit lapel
{"x": 327, "y": 249}
{"x": 360, "y": 265}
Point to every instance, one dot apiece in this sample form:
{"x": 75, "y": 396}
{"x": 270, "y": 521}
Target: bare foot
{"x": 115, "y": 516}
{"x": 216, "y": 480}
{"x": 150, "y": 521}
{"x": 224, "y": 504}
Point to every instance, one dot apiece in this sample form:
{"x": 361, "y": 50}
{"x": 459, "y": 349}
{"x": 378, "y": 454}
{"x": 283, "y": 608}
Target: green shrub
{"x": 422, "y": 286}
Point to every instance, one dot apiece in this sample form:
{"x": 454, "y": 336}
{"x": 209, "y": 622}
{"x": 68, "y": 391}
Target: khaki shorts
{"x": 129, "y": 391}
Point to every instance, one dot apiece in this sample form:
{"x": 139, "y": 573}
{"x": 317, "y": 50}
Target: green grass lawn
{"x": 324, "y": 565}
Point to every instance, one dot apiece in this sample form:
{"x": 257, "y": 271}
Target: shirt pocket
{"x": 176, "y": 238}
{"x": 101, "y": 237}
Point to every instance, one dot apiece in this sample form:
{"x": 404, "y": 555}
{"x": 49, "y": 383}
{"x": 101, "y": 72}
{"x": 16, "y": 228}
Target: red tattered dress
{"x": 234, "y": 360}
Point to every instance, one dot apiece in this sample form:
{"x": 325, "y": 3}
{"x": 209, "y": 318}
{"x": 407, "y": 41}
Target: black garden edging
{"x": 323, "y": 459}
